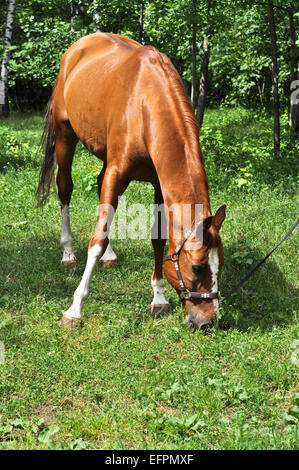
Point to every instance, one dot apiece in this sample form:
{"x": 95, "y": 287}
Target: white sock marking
{"x": 158, "y": 288}
{"x": 66, "y": 236}
{"x": 109, "y": 254}
{"x": 214, "y": 267}
{"x": 81, "y": 292}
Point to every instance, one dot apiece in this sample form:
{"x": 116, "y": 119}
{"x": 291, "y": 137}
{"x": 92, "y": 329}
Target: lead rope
{"x": 248, "y": 276}
{"x": 186, "y": 294}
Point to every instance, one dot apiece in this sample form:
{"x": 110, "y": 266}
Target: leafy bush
{"x": 247, "y": 162}
{"x": 14, "y": 152}
{"x": 37, "y": 59}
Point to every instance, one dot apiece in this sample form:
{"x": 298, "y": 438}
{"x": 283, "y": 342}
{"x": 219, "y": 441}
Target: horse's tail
{"x": 46, "y": 174}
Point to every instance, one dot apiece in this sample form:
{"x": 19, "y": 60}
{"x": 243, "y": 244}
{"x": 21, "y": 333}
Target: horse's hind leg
{"x": 66, "y": 141}
{"x": 109, "y": 258}
{"x": 159, "y": 304}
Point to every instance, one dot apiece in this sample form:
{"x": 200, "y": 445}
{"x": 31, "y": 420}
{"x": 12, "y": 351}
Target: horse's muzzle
{"x": 197, "y": 322}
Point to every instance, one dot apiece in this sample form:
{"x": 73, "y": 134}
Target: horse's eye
{"x": 198, "y": 268}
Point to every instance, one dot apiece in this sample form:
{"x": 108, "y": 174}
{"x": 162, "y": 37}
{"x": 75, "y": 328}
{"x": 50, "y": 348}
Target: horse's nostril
{"x": 194, "y": 323}
{"x": 206, "y": 326}
{"x": 191, "y": 325}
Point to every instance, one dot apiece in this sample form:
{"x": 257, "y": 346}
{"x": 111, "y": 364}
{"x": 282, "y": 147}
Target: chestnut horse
{"x": 126, "y": 103}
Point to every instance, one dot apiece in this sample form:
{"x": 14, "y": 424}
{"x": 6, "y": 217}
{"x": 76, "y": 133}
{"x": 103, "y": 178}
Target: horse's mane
{"x": 181, "y": 99}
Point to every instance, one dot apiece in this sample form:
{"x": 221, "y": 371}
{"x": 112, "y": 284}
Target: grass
{"x": 124, "y": 380}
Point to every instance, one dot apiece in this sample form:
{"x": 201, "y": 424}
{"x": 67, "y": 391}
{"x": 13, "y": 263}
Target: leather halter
{"x": 186, "y": 294}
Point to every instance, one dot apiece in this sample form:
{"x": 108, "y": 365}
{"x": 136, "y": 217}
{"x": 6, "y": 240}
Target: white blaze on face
{"x": 214, "y": 268}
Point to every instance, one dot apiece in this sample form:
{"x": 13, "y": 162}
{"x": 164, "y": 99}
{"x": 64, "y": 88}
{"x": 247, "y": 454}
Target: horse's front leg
{"x": 159, "y": 304}
{"x": 109, "y": 257}
{"x": 113, "y": 186}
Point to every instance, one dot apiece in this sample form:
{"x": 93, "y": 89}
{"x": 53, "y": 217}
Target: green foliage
{"x": 292, "y": 415}
{"x": 242, "y": 152}
{"x": 47, "y": 433}
{"x": 117, "y": 16}
{"x": 240, "y": 60}
{"x": 38, "y": 58}
{"x": 14, "y": 152}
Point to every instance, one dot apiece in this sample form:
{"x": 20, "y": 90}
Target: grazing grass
{"x": 124, "y": 380}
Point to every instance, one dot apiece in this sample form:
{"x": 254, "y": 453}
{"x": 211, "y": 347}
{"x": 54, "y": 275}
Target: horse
{"x": 126, "y": 103}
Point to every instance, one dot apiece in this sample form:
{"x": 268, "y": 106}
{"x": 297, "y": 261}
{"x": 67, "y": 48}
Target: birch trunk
{"x": 294, "y": 82}
{"x": 76, "y": 11}
{"x": 97, "y": 18}
{"x": 4, "y": 105}
{"x": 141, "y": 22}
{"x": 203, "y": 81}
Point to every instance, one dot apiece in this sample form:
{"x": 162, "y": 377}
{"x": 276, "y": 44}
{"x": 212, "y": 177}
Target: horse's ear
{"x": 219, "y": 217}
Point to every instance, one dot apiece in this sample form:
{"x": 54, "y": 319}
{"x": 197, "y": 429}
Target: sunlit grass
{"x": 123, "y": 380}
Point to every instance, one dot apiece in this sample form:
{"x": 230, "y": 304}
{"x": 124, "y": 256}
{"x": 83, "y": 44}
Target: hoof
{"x": 68, "y": 322}
{"x": 108, "y": 263}
{"x": 158, "y": 310}
{"x": 70, "y": 264}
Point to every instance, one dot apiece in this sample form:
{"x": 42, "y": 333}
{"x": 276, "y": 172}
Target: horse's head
{"x": 199, "y": 268}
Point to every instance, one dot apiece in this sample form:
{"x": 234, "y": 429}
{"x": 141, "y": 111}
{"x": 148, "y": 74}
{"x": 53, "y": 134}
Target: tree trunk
{"x": 97, "y": 18}
{"x": 119, "y": 18}
{"x": 261, "y": 89}
{"x": 276, "y": 105}
{"x": 296, "y": 111}
{"x": 4, "y": 105}
{"x": 203, "y": 81}
{"x": 294, "y": 83}
{"x": 194, "y": 51}
{"x": 141, "y": 22}
{"x": 76, "y": 11}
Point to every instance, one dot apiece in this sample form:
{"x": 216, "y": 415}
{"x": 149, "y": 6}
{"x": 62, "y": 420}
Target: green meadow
{"x": 121, "y": 379}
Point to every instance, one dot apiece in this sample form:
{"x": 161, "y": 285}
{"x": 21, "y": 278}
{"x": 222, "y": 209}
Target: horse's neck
{"x": 184, "y": 185}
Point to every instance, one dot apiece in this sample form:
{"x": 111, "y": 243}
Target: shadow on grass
{"x": 241, "y": 126}
{"x": 266, "y": 300}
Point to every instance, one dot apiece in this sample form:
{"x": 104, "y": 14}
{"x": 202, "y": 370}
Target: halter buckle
{"x": 185, "y": 295}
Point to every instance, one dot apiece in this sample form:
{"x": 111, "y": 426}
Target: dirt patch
{"x": 46, "y": 412}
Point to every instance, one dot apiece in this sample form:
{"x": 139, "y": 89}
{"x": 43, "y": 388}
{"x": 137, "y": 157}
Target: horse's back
{"x": 109, "y": 88}
{"x": 97, "y": 47}
{"x": 92, "y": 72}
